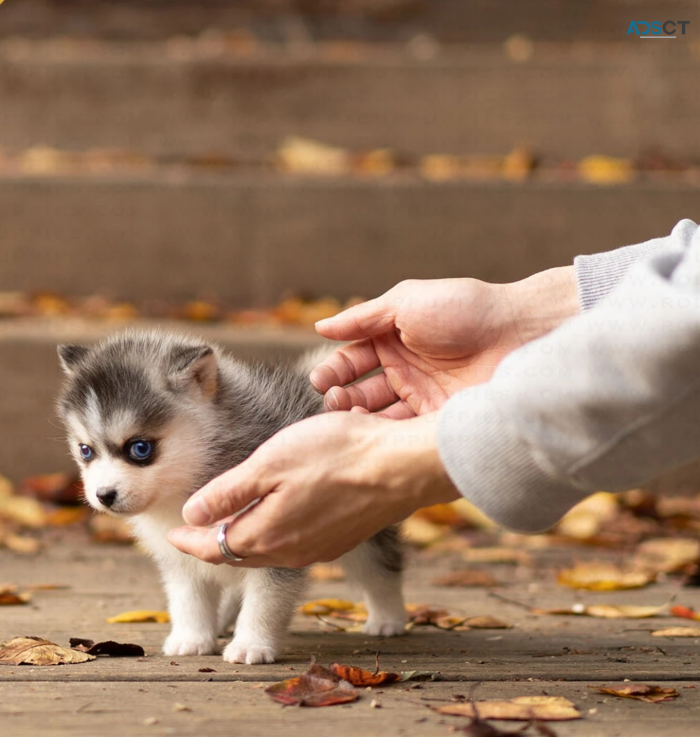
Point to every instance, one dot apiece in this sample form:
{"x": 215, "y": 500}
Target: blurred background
{"x": 245, "y": 168}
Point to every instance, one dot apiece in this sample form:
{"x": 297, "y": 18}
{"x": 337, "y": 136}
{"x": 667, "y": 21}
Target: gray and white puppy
{"x": 151, "y": 417}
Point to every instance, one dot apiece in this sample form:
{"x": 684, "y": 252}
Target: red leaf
{"x": 317, "y": 687}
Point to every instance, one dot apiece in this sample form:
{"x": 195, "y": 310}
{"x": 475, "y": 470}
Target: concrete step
{"x": 33, "y": 440}
{"x": 249, "y": 240}
{"x": 165, "y": 99}
{"x": 451, "y": 21}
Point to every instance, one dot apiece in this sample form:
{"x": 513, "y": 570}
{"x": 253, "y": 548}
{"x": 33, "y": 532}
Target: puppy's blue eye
{"x": 85, "y": 452}
{"x": 140, "y": 450}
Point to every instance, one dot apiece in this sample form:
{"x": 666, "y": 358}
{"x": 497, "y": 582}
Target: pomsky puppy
{"x": 151, "y": 417}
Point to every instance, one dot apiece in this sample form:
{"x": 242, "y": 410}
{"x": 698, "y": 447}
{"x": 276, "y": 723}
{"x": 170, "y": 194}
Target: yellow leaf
{"x": 603, "y": 577}
{"x": 611, "y": 611}
{"x": 523, "y": 708}
{"x": 678, "y": 632}
{"x": 605, "y": 170}
{"x": 304, "y": 156}
{"x": 139, "y": 617}
{"x": 667, "y": 555}
{"x": 640, "y": 692}
{"x": 327, "y": 606}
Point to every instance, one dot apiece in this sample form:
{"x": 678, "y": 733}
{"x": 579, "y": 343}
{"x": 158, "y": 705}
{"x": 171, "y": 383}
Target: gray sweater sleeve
{"x": 609, "y": 400}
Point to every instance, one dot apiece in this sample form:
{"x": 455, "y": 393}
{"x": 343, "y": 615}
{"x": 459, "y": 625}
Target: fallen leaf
{"x": 496, "y": 555}
{"x": 67, "y": 516}
{"x": 522, "y": 708}
{"x": 11, "y": 596}
{"x": 605, "y": 170}
{"x": 325, "y": 607}
{"x": 677, "y": 632}
{"x": 139, "y": 616}
{"x": 603, "y": 577}
{"x": 57, "y": 488}
{"x": 109, "y": 647}
{"x": 639, "y": 691}
{"x": 421, "y": 532}
{"x": 36, "y": 651}
{"x": 606, "y": 611}
{"x": 465, "y": 578}
{"x": 486, "y": 622}
{"x": 685, "y": 612}
{"x": 667, "y": 555}
{"x": 317, "y": 687}
{"x": 362, "y": 677}
{"x": 419, "y": 675}
{"x": 23, "y": 510}
{"x": 585, "y": 520}
{"x": 21, "y": 544}
{"x": 305, "y": 156}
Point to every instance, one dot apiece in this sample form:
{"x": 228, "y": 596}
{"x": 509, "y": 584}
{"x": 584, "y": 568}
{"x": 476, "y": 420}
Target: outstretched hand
{"x": 433, "y": 338}
{"x": 323, "y": 486}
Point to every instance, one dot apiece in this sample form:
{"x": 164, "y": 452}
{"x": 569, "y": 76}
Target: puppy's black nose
{"x": 107, "y": 496}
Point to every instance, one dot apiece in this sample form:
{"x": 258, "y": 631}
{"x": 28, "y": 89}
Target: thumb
{"x": 374, "y": 317}
{"x": 224, "y": 496}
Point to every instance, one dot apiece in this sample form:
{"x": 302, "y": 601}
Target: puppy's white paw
{"x": 186, "y": 643}
{"x": 242, "y": 651}
{"x": 385, "y": 626}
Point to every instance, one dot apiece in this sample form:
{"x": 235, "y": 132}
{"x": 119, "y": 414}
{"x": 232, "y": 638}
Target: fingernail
{"x": 332, "y": 400}
{"x": 313, "y": 378}
{"x": 196, "y": 512}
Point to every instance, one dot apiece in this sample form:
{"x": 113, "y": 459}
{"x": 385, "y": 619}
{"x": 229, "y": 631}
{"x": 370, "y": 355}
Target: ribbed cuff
{"x": 495, "y": 469}
{"x": 599, "y": 274}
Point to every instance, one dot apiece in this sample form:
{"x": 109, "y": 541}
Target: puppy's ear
{"x": 196, "y": 366}
{"x": 69, "y": 356}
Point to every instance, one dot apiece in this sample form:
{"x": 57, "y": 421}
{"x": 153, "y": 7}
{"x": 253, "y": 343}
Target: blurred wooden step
{"x": 33, "y": 440}
{"x": 163, "y": 99}
{"x": 450, "y": 21}
{"x": 249, "y": 240}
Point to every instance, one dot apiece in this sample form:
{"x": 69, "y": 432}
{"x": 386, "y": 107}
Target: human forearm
{"x": 610, "y": 400}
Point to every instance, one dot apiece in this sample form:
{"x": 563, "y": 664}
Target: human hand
{"x": 323, "y": 486}
{"x": 433, "y": 338}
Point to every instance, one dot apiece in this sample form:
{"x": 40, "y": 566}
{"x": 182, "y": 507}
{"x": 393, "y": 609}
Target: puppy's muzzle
{"x": 107, "y": 497}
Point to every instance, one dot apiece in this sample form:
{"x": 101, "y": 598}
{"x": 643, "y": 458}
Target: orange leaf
{"x": 317, "y": 687}
{"x": 685, "y": 612}
{"x": 640, "y": 692}
{"x": 362, "y": 677}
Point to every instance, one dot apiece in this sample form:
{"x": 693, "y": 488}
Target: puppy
{"x": 151, "y": 417}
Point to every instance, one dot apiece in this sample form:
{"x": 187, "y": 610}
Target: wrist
{"x": 413, "y": 469}
{"x": 542, "y": 302}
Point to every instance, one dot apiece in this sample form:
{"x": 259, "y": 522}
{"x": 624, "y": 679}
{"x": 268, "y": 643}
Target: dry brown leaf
{"x": 109, "y": 647}
{"x": 640, "y": 692}
{"x": 21, "y": 544}
{"x": 317, "y": 687}
{"x": 465, "y": 578}
{"x": 140, "y": 616}
{"x": 603, "y": 577}
{"x": 667, "y": 555}
{"x": 421, "y": 532}
{"x": 496, "y": 555}
{"x": 361, "y": 677}
{"x": 22, "y": 510}
{"x": 10, "y": 595}
{"x": 522, "y": 708}
{"x": 67, "y": 516}
{"x": 677, "y": 632}
{"x": 486, "y": 622}
{"x": 36, "y": 651}
{"x": 57, "y": 488}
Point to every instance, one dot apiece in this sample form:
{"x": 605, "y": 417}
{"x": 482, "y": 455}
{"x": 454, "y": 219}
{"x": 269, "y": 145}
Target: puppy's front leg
{"x": 193, "y": 603}
{"x": 270, "y": 596}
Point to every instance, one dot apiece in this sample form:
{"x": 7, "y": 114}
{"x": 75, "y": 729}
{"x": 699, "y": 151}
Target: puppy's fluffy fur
{"x": 200, "y": 412}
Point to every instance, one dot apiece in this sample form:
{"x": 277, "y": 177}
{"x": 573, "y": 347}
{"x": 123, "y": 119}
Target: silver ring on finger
{"x": 223, "y": 545}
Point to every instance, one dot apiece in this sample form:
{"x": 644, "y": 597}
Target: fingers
{"x": 361, "y": 321}
{"x": 398, "y": 411}
{"x": 345, "y": 366}
{"x": 202, "y": 543}
{"x": 372, "y": 394}
{"x": 223, "y": 496}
